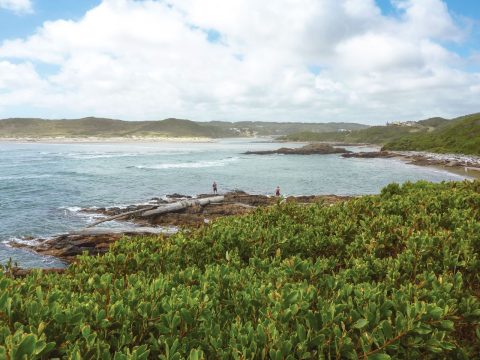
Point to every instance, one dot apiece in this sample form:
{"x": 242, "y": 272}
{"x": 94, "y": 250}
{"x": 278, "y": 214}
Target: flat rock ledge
{"x": 68, "y": 246}
{"x": 423, "y": 158}
{"x": 370, "y": 155}
{"x": 310, "y": 149}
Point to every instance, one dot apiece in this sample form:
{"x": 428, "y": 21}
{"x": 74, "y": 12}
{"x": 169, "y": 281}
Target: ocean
{"x": 43, "y": 186}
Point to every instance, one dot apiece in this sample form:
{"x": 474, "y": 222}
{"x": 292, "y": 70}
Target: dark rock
{"x": 68, "y": 246}
{"x": 370, "y": 154}
{"x": 178, "y": 196}
{"x": 310, "y": 149}
{"x": 158, "y": 200}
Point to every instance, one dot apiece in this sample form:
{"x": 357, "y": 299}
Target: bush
{"x": 378, "y": 277}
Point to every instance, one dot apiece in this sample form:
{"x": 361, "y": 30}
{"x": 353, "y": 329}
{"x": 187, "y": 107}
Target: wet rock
{"x": 422, "y": 158}
{"x": 68, "y": 246}
{"x": 158, "y": 200}
{"x": 370, "y": 154}
{"x": 178, "y": 196}
{"x": 310, "y": 149}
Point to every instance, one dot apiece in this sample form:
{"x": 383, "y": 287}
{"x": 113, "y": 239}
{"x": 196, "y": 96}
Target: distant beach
{"x": 97, "y": 139}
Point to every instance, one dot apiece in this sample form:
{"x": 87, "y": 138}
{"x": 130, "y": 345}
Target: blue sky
{"x": 238, "y": 60}
{"x": 14, "y": 25}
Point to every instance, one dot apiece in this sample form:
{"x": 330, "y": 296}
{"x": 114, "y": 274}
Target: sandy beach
{"x": 96, "y": 139}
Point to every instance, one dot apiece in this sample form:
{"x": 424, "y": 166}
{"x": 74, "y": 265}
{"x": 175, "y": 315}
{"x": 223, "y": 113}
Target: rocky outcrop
{"x": 370, "y": 155}
{"x": 423, "y": 158}
{"x": 310, "y": 149}
{"x": 68, "y": 246}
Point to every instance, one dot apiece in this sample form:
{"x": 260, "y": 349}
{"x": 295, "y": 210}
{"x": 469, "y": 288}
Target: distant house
{"x": 400, "y": 123}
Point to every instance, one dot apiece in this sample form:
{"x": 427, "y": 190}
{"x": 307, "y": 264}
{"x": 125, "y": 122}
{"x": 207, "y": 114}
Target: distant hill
{"x": 100, "y": 127}
{"x": 373, "y": 134}
{"x": 107, "y": 128}
{"x": 263, "y": 128}
{"x": 460, "y": 135}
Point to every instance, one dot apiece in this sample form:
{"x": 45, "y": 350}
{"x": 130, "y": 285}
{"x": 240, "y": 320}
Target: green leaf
{"x": 423, "y": 329}
{"x": 194, "y": 355}
{"x": 291, "y": 298}
{"x": 186, "y": 316}
{"x": 387, "y": 329}
{"x": 26, "y": 347}
{"x": 447, "y": 325}
{"x": 360, "y": 323}
{"x": 436, "y": 313}
{"x": 379, "y": 357}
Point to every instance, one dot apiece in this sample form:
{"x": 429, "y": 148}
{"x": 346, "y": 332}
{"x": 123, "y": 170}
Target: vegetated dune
{"x": 461, "y": 135}
{"x": 99, "y": 127}
{"x": 108, "y": 128}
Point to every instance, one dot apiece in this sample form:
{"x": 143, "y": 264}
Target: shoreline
{"x": 66, "y": 247}
{"x": 459, "y": 164}
{"x": 109, "y": 140}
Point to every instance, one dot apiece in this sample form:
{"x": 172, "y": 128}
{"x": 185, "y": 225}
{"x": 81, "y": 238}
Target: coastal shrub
{"x": 394, "y": 275}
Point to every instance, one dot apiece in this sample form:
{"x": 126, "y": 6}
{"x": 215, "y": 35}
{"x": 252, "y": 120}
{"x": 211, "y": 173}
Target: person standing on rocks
{"x": 214, "y": 187}
{"x": 277, "y": 191}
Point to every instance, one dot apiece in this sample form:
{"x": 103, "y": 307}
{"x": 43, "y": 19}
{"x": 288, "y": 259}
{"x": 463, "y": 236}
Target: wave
{"x": 109, "y": 155}
{"x": 22, "y": 177}
{"x": 73, "y": 209}
{"x": 189, "y": 165}
{"x": 19, "y": 240}
{"x": 89, "y": 156}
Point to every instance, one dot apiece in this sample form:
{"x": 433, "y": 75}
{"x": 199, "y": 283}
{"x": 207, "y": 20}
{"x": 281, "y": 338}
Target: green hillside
{"x": 372, "y": 135}
{"x": 460, "y": 135}
{"x": 108, "y": 128}
{"x": 99, "y": 127}
{"x": 263, "y": 128}
{"x": 390, "y": 276}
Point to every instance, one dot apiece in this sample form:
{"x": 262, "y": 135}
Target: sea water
{"x": 43, "y": 186}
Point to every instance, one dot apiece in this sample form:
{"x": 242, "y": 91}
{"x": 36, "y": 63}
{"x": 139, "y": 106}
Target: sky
{"x": 367, "y": 61}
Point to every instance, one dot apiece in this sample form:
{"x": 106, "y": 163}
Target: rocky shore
{"x": 467, "y": 162}
{"x": 68, "y": 246}
{"x": 310, "y": 149}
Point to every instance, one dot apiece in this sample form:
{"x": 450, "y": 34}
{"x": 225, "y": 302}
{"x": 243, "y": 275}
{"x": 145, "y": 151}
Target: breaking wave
{"x": 190, "y": 165}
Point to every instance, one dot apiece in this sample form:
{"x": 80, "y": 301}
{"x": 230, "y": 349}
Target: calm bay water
{"x": 42, "y": 186}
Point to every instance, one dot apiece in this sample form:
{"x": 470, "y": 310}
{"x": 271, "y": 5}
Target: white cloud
{"x": 147, "y": 59}
{"x": 18, "y": 6}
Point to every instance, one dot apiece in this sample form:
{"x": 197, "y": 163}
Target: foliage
{"x": 462, "y": 135}
{"x": 371, "y": 135}
{"x": 396, "y": 275}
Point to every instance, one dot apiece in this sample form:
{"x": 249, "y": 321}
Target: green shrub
{"x": 394, "y": 275}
